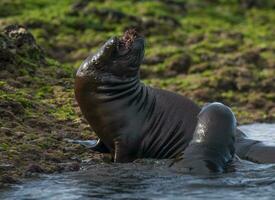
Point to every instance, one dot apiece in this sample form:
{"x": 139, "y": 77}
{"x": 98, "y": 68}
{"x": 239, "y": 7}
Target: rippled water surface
{"x": 151, "y": 179}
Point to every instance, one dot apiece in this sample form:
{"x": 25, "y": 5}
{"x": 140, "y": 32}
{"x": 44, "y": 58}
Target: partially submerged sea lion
{"x": 212, "y": 146}
{"x": 133, "y": 120}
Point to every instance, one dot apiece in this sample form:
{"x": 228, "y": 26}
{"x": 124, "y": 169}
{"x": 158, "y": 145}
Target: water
{"x": 151, "y": 179}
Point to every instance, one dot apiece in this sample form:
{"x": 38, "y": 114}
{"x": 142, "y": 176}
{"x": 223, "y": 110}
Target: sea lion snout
{"x": 118, "y": 56}
{"x": 130, "y": 45}
{"x": 105, "y": 52}
{"x": 128, "y": 56}
{"x": 97, "y": 62}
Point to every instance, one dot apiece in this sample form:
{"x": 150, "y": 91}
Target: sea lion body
{"x": 131, "y": 119}
{"x": 149, "y": 120}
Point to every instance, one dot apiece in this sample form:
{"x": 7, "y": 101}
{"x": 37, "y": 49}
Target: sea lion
{"x": 133, "y": 120}
{"x": 212, "y": 147}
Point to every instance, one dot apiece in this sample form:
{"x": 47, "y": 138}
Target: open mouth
{"x": 126, "y": 41}
{"x": 124, "y": 48}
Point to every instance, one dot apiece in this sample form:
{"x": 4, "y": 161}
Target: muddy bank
{"x": 37, "y": 110}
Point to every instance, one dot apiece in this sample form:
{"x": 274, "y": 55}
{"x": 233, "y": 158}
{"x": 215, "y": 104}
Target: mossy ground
{"x": 207, "y": 50}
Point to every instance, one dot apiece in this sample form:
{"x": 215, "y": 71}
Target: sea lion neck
{"x": 109, "y": 79}
{"x": 104, "y": 85}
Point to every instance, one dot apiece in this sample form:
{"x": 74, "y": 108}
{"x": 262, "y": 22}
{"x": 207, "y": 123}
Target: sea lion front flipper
{"x": 95, "y": 145}
{"x": 99, "y": 147}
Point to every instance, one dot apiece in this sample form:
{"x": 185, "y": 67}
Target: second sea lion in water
{"x": 133, "y": 120}
{"x": 212, "y": 146}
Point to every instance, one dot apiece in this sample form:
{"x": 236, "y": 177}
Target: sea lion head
{"x": 120, "y": 57}
{"x": 216, "y": 123}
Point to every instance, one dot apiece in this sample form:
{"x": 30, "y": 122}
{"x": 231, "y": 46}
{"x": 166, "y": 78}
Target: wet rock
{"x": 34, "y": 168}
{"x": 6, "y": 179}
{"x": 24, "y": 42}
{"x": 180, "y": 63}
{"x": 19, "y": 35}
{"x": 73, "y": 166}
{"x": 16, "y": 42}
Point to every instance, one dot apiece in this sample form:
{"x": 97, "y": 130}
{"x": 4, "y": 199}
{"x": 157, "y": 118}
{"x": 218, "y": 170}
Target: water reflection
{"x": 151, "y": 179}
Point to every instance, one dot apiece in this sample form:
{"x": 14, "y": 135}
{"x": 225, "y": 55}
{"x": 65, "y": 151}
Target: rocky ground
{"x": 210, "y": 51}
{"x": 38, "y": 111}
